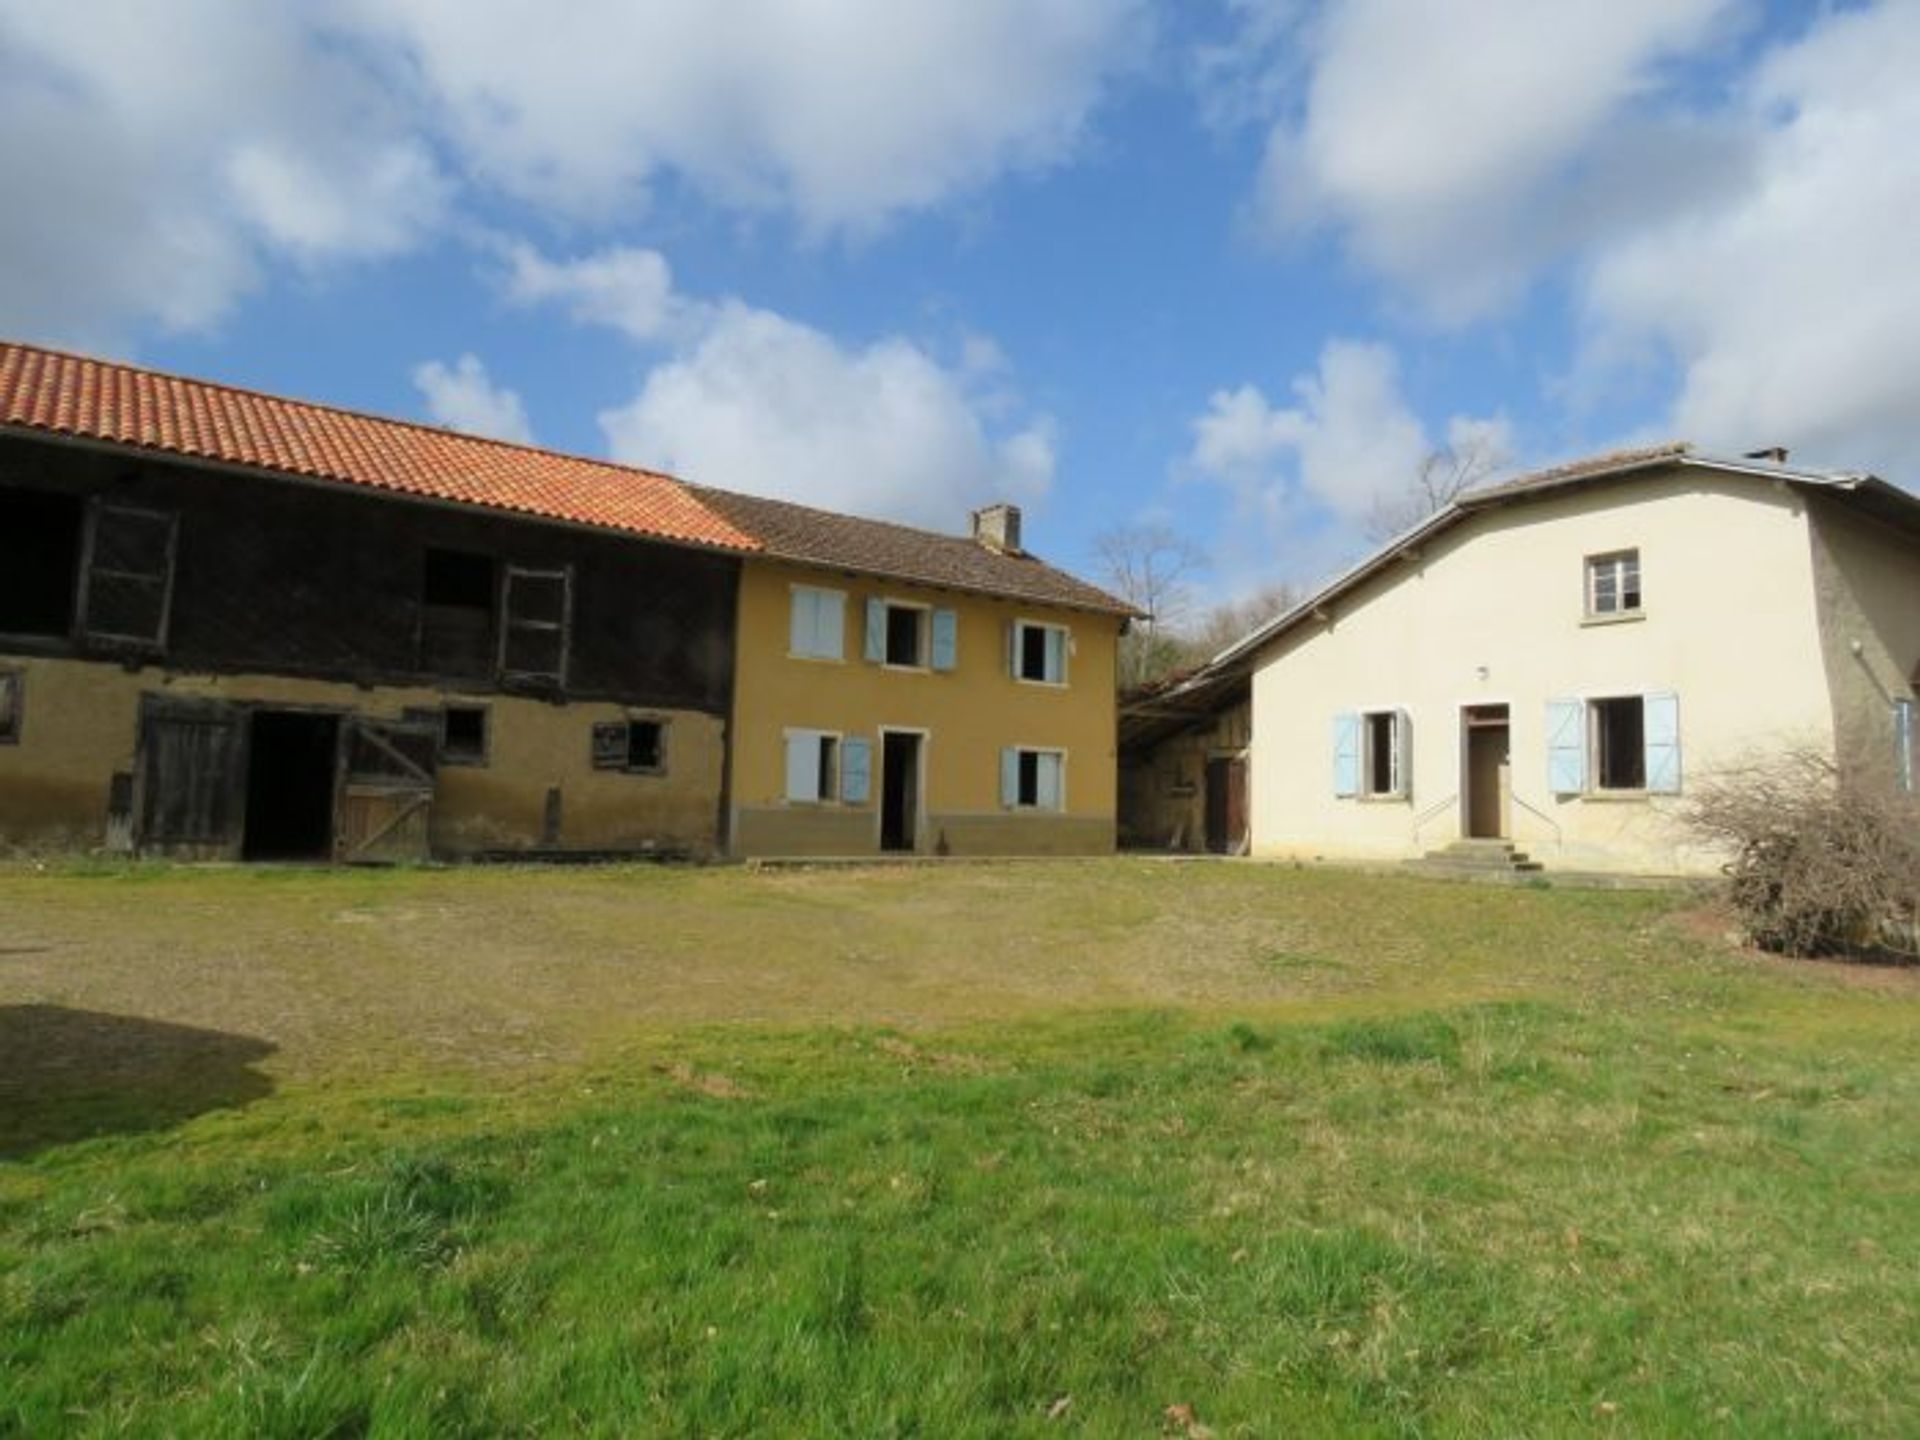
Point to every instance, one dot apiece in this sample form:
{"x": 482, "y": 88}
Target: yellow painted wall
{"x": 81, "y": 725}
{"x": 970, "y": 713}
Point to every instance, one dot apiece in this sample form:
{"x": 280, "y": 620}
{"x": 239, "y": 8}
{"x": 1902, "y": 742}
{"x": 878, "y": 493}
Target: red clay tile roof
{"x": 66, "y": 394}
{"x": 879, "y": 547}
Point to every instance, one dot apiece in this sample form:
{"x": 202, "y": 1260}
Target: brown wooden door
{"x": 1227, "y": 806}
{"x": 1487, "y": 782}
{"x": 387, "y": 779}
{"x": 190, "y": 778}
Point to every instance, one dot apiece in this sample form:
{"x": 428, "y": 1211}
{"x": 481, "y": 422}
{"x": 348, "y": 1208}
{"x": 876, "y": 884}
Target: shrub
{"x": 1824, "y": 861}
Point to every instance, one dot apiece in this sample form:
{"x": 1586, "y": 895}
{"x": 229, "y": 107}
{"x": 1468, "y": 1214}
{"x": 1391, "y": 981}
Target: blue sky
{"x": 1235, "y": 267}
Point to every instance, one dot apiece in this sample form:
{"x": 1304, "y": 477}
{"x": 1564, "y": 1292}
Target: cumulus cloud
{"x": 1792, "y": 311}
{"x": 768, "y": 405}
{"x": 845, "y": 112}
{"x": 462, "y": 397}
{"x": 624, "y": 287}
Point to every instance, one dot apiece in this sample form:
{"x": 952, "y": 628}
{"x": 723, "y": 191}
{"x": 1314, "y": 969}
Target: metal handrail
{"x": 1535, "y": 810}
{"x": 1430, "y": 812}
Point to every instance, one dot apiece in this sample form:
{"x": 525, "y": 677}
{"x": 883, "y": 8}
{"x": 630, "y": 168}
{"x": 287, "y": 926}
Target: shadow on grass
{"x": 69, "y": 1075}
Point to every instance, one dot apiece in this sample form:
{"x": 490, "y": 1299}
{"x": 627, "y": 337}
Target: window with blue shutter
{"x": 818, "y": 629}
{"x": 856, "y": 770}
{"x": 1661, "y": 717}
{"x": 1346, "y": 754}
{"x": 1039, "y": 652}
{"x": 1566, "y": 747}
{"x": 1009, "y": 778}
{"x": 876, "y": 641}
{"x": 946, "y": 639}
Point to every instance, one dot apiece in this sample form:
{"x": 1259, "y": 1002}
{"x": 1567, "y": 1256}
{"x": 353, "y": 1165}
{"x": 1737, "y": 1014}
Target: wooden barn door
{"x": 1227, "y": 805}
{"x": 190, "y": 778}
{"x": 386, "y": 790}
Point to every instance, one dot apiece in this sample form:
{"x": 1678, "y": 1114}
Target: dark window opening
{"x": 129, "y": 577}
{"x": 291, "y": 761}
{"x": 1033, "y": 652}
{"x": 646, "y": 744}
{"x": 39, "y": 562}
{"x": 903, "y": 635}
{"x": 1382, "y": 778}
{"x": 538, "y": 614}
{"x": 1620, "y": 742}
{"x": 1029, "y": 793}
{"x": 463, "y": 735}
{"x": 13, "y": 688}
{"x": 458, "y": 596}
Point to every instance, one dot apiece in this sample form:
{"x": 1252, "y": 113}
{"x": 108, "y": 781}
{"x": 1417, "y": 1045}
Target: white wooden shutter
{"x": 800, "y": 625}
{"x": 1009, "y": 777}
{"x": 1903, "y": 757}
{"x": 876, "y": 648}
{"x": 946, "y": 639}
{"x": 1662, "y": 735}
{"x": 803, "y": 765}
{"x": 1566, "y": 747}
{"x": 1402, "y": 753}
{"x": 1047, "y": 779}
{"x": 1346, "y": 754}
{"x": 1056, "y": 656}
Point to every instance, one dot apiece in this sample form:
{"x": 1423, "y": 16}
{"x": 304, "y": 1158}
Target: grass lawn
{"x": 1114, "y": 1148}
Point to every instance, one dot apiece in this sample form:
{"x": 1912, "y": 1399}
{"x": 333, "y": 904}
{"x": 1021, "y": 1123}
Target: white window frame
{"x": 1018, "y": 648}
{"x": 923, "y": 630}
{"x": 838, "y": 655}
{"x": 826, "y": 784}
{"x": 1596, "y": 783}
{"x": 1614, "y": 563}
{"x": 1395, "y": 787}
{"x": 1058, "y": 754}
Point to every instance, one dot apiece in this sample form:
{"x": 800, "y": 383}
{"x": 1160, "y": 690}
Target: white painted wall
{"x": 1494, "y": 611}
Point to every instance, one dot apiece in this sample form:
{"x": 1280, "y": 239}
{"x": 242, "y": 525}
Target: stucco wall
{"x": 970, "y": 714}
{"x": 1868, "y": 581}
{"x": 1494, "y": 612}
{"x": 81, "y": 724}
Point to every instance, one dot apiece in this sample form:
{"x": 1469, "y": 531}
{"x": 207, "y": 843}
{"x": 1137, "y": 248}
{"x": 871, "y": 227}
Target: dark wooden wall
{"x": 314, "y": 579}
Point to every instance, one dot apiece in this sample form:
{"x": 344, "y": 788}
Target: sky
{"x": 1232, "y": 267}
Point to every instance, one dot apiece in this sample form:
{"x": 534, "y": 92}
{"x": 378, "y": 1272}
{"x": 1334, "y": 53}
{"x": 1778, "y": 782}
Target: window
{"x": 904, "y": 630}
{"x": 813, "y": 765}
{"x": 1619, "y": 744}
{"x": 1033, "y": 779}
{"x": 39, "y": 562}
{"x": 637, "y": 745}
{"x": 13, "y": 694}
{"x": 818, "y": 627}
{"x": 463, "y": 735}
{"x": 459, "y": 592}
{"x": 533, "y": 642}
{"x": 1040, "y": 652}
{"x": 1373, "y": 754}
{"x": 129, "y": 580}
{"x": 1622, "y": 744}
{"x": 1613, "y": 583}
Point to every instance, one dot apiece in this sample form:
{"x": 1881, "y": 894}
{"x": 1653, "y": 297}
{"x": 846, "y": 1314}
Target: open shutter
{"x": 1010, "y": 778}
{"x": 1056, "y": 656}
{"x": 1346, "y": 754}
{"x": 1402, "y": 753}
{"x": 1662, "y": 733}
{"x": 876, "y": 650}
{"x": 803, "y": 622}
{"x": 610, "y": 745}
{"x": 1566, "y": 747}
{"x": 385, "y": 811}
{"x": 803, "y": 765}
{"x": 128, "y": 594}
{"x": 1047, "y": 777}
{"x": 856, "y": 770}
{"x": 1903, "y": 757}
{"x": 946, "y": 639}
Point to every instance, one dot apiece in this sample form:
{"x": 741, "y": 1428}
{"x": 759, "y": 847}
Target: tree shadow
{"x": 69, "y": 1075}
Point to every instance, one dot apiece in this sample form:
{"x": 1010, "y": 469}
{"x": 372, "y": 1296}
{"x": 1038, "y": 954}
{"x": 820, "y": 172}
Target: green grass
{"x": 1487, "y": 1163}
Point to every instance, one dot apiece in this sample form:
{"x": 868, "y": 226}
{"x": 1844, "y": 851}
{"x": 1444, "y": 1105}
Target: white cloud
{"x": 846, "y": 112}
{"x": 1792, "y": 311}
{"x": 767, "y": 405}
{"x": 464, "y": 398}
{"x": 625, "y": 288}
{"x": 158, "y": 156}
{"x": 1459, "y": 147}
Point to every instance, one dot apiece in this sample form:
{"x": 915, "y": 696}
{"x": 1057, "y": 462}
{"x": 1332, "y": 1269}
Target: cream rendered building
{"x": 1556, "y": 660}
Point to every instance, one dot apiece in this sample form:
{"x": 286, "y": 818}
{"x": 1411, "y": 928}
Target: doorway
{"x": 899, "y": 790}
{"x": 291, "y": 762}
{"x": 1489, "y": 785}
{"x": 1227, "y": 805}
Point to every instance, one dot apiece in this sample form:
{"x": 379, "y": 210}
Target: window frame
{"x": 794, "y": 592}
{"x": 1398, "y": 720}
{"x": 922, "y": 634}
{"x": 826, "y": 772}
{"x": 1598, "y": 747}
{"x": 1613, "y": 564}
{"x": 1017, "y": 652}
{"x": 536, "y": 679}
{"x": 607, "y": 756}
{"x": 1058, "y": 753}
{"x": 473, "y": 760}
{"x": 83, "y": 624}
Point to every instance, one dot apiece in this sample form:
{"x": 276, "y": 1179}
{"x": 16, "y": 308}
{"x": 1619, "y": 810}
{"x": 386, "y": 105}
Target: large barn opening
{"x": 39, "y": 562}
{"x": 291, "y": 763}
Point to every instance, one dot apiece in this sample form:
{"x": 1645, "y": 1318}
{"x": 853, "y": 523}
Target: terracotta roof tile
{"x": 102, "y": 400}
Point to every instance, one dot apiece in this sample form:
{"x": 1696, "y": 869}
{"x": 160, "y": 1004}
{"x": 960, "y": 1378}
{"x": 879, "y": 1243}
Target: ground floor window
{"x": 1033, "y": 779}
{"x": 637, "y": 745}
{"x": 1620, "y": 743}
{"x": 463, "y": 735}
{"x": 1614, "y": 744}
{"x": 13, "y": 687}
{"x": 1372, "y": 753}
{"x": 813, "y": 765}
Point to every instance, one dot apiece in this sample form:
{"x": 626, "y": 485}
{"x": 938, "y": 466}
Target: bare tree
{"x": 1219, "y": 627}
{"x": 1444, "y": 475}
{"x": 1151, "y": 567}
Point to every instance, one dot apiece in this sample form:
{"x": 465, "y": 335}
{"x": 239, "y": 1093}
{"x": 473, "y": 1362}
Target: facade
{"x": 234, "y": 626}
{"x": 1553, "y": 661}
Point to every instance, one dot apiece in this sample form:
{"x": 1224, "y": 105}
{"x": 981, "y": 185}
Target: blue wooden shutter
{"x": 1346, "y": 754}
{"x": 1402, "y": 753}
{"x": 876, "y": 650}
{"x": 946, "y": 639}
{"x": 1903, "y": 743}
{"x": 1010, "y": 778}
{"x": 1566, "y": 747}
{"x": 856, "y": 770}
{"x": 1057, "y": 656}
{"x": 1662, "y": 733}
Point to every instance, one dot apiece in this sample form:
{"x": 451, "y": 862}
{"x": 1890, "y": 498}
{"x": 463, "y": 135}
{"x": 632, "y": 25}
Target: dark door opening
{"x": 899, "y": 792}
{"x": 291, "y": 763}
{"x": 1488, "y": 772}
{"x": 1227, "y": 806}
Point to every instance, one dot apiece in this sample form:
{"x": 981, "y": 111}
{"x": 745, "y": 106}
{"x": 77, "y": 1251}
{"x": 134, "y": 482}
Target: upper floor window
{"x": 817, "y": 628}
{"x": 1040, "y": 652}
{"x": 535, "y": 639}
{"x": 911, "y": 636}
{"x": 39, "y": 562}
{"x": 459, "y": 595}
{"x": 1613, "y": 583}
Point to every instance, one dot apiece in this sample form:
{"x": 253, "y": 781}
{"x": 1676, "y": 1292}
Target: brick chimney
{"x": 998, "y": 528}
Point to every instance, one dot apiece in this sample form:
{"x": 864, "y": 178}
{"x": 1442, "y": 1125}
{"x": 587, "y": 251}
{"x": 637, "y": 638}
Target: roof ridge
{"x": 375, "y": 417}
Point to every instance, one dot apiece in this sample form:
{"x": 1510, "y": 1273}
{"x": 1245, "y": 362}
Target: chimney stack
{"x": 998, "y": 528}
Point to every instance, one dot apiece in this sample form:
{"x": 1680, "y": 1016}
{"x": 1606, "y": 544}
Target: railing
{"x": 1438, "y": 808}
{"x": 1539, "y": 814}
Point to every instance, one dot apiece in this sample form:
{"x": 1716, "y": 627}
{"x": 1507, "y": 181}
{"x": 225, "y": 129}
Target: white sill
{"x": 1615, "y": 796}
{"x": 1624, "y": 617}
{"x": 1040, "y": 684}
{"x": 1384, "y": 799}
{"x": 818, "y": 659}
{"x": 906, "y": 669}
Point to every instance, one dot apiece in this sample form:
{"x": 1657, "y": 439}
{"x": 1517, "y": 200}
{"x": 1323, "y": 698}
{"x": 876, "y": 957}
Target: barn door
{"x": 386, "y": 790}
{"x": 190, "y": 778}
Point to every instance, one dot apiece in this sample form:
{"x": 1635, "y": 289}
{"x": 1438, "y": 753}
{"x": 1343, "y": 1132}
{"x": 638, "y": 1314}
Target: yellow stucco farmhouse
{"x": 1549, "y": 663}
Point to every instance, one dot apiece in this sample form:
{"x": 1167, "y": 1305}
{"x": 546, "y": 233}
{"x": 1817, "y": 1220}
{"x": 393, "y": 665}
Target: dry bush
{"x": 1825, "y": 861}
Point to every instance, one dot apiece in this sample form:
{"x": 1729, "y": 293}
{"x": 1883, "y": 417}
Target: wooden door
{"x": 190, "y": 778}
{"x": 1227, "y": 805}
{"x": 387, "y": 778}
